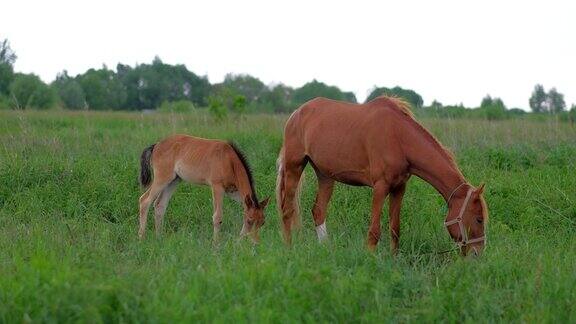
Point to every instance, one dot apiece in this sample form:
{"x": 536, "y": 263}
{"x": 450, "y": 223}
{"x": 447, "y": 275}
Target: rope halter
{"x": 458, "y": 220}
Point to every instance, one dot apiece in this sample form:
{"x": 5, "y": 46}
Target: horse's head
{"x": 253, "y": 218}
{"x": 467, "y": 217}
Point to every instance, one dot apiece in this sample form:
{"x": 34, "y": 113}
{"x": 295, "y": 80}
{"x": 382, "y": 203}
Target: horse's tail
{"x": 145, "y": 172}
{"x": 281, "y": 192}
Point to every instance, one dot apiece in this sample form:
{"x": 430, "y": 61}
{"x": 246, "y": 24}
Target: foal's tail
{"x": 145, "y": 172}
{"x": 281, "y": 191}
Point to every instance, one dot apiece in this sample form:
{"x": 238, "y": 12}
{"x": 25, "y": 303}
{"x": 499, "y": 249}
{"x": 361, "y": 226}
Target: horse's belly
{"x": 343, "y": 173}
{"x": 192, "y": 175}
{"x": 351, "y": 178}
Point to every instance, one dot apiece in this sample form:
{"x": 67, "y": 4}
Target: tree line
{"x": 174, "y": 87}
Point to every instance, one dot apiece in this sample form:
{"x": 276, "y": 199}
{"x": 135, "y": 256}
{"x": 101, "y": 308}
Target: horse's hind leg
{"x": 161, "y": 204}
{"x": 379, "y": 195}
{"x": 325, "y": 189}
{"x": 291, "y": 172}
{"x": 158, "y": 185}
{"x": 395, "y": 204}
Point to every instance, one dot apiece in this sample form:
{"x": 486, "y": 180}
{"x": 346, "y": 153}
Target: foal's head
{"x": 253, "y": 217}
{"x": 466, "y": 220}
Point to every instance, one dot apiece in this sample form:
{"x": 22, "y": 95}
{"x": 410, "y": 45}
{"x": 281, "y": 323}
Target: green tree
{"x": 409, "y": 95}
{"x": 103, "y": 89}
{"x": 486, "y": 102}
{"x": 493, "y": 108}
{"x": 555, "y": 101}
{"x": 70, "y": 91}
{"x": 148, "y": 85}
{"x": 436, "y": 104}
{"x": 278, "y": 98}
{"x": 538, "y": 99}
{"x": 248, "y": 86}
{"x": 572, "y": 114}
{"x": 315, "y": 89}
{"x": 7, "y": 59}
{"x": 28, "y": 91}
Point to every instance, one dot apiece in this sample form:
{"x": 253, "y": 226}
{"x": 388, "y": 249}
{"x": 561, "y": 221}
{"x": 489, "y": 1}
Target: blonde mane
{"x": 404, "y": 107}
{"x": 397, "y": 103}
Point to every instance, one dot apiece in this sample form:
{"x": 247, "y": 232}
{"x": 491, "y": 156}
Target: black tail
{"x": 145, "y": 174}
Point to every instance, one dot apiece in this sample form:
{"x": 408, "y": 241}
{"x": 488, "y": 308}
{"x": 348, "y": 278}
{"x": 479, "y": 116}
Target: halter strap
{"x": 453, "y": 192}
{"x": 458, "y": 220}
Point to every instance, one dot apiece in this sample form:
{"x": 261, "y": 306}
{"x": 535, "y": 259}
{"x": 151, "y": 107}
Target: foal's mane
{"x": 403, "y": 106}
{"x": 246, "y": 166}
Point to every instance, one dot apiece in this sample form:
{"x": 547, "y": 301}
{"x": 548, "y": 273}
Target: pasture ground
{"x": 69, "y": 250}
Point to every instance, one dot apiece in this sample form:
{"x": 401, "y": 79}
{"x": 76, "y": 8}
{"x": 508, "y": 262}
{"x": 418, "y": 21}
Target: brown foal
{"x": 377, "y": 144}
{"x": 219, "y": 164}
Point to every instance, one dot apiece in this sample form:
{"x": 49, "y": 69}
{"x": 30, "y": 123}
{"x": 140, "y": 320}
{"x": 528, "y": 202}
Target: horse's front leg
{"x": 396, "y": 196}
{"x": 380, "y": 192}
{"x": 217, "y": 201}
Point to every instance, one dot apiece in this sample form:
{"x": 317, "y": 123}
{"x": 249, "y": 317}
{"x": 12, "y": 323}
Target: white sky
{"x": 452, "y": 51}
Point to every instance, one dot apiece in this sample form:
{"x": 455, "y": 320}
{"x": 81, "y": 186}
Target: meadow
{"x": 69, "y": 250}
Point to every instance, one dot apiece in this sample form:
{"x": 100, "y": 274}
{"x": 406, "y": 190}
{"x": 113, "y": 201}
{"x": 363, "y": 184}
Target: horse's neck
{"x": 429, "y": 161}
{"x": 242, "y": 182}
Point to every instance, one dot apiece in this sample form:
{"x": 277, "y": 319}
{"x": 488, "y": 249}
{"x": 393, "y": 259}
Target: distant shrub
{"x": 239, "y": 105}
{"x": 70, "y": 91}
{"x": 516, "y": 112}
{"x": 495, "y": 112}
{"x": 217, "y": 108}
{"x": 180, "y": 106}
{"x": 4, "y": 102}
{"x": 443, "y": 111}
{"x": 29, "y": 91}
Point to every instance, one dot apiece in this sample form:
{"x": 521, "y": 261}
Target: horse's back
{"x": 344, "y": 141}
{"x": 325, "y": 122}
{"x": 194, "y": 159}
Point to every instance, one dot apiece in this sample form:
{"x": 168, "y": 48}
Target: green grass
{"x": 69, "y": 250}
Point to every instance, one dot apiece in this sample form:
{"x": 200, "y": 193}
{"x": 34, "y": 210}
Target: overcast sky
{"x": 452, "y": 51}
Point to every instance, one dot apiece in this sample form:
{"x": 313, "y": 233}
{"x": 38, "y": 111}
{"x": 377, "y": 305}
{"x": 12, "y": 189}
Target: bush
{"x": 217, "y": 108}
{"x": 180, "y": 106}
{"x": 30, "y": 92}
{"x": 4, "y": 102}
{"x": 70, "y": 91}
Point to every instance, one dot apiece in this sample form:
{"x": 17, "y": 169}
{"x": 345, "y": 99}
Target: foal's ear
{"x": 264, "y": 202}
{"x": 480, "y": 189}
{"x": 248, "y": 201}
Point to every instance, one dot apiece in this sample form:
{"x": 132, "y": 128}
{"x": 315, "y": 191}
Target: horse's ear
{"x": 248, "y": 201}
{"x": 264, "y": 202}
{"x": 480, "y": 189}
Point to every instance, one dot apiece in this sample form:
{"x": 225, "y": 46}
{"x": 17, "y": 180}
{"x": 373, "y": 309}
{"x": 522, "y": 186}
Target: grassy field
{"x": 69, "y": 250}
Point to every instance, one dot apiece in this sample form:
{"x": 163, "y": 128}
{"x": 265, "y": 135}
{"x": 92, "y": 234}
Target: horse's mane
{"x": 403, "y": 106}
{"x": 246, "y": 166}
{"x": 395, "y": 102}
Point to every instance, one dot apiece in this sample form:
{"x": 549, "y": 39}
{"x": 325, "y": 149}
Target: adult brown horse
{"x": 377, "y": 144}
{"x": 219, "y": 164}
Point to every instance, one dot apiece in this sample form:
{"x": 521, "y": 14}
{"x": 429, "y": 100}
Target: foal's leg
{"x": 396, "y": 196}
{"x": 158, "y": 185}
{"x": 146, "y": 200}
{"x": 325, "y": 188}
{"x": 379, "y": 195}
{"x": 161, "y": 204}
{"x": 217, "y": 201}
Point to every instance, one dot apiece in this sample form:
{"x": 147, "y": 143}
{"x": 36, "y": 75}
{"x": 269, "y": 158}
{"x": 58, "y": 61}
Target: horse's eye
{"x": 479, "y": 220}
{"x": 250, "y": 222}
